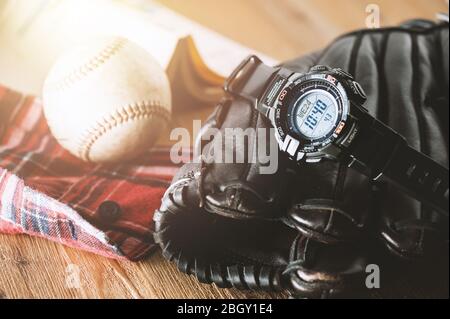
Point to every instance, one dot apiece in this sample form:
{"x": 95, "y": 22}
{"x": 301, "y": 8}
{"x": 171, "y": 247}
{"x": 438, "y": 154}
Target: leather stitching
{"x": 121, "y": 116}
{"x": 100, "y": 59}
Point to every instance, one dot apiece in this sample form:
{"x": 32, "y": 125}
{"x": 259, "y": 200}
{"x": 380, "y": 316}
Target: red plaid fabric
{"x": 47, "y": 192}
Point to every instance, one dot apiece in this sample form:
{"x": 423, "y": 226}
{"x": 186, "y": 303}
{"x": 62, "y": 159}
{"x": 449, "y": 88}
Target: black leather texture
{"x": 312, "y": 230}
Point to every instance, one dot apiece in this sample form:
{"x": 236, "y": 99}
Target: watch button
{"x": 358, "y": 92}
{"x": 271, "y": 115}
{"x": 320, "y": 68}
{"x": 344, "y": 74}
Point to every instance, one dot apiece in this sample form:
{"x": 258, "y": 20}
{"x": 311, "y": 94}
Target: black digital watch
{"x": 320, "y": 115}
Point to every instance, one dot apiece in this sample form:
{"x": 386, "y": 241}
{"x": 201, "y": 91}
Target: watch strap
{"x": 383, "y": 154}
{"x": 419, "y": 175}
{"x": 250, "y": 79}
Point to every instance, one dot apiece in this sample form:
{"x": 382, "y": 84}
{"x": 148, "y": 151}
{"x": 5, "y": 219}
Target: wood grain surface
{"x": 36, "y": 268}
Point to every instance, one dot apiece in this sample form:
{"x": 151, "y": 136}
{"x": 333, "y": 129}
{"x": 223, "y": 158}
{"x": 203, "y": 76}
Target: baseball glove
{"x": 314, "y": 230}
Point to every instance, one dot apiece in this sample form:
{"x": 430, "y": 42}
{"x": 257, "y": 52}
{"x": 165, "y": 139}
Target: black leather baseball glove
{"x": 314, "y": 229}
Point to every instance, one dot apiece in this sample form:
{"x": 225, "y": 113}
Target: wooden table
{"x": 36, "y": 268}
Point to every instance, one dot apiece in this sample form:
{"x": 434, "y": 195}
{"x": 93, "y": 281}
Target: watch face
{"x": 312, "y": 112}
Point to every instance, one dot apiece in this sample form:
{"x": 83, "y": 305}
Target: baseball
{"x": 107, "y": 101}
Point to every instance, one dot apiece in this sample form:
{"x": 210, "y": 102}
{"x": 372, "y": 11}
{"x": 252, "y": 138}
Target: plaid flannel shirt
{"x": 47, "y": 192}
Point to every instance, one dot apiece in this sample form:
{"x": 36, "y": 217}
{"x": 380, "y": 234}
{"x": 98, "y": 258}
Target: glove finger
{"x": 405, "y": 231}
{"x": 317, "y": 270}
{"x": 330, "y": 204}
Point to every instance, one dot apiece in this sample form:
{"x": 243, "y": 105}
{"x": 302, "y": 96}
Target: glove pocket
{"x": 245, "y": 254}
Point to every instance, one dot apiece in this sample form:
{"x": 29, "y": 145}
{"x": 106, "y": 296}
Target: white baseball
{"x": 107, "y": 101}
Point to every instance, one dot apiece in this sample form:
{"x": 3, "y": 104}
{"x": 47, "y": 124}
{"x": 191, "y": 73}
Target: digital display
{"x": 315, "y": 114}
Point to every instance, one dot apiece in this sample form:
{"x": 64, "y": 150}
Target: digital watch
{"x": 320, "y": 115}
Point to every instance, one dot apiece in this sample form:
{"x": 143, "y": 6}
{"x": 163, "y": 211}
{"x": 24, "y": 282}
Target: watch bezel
{"x": 292, "y": 92}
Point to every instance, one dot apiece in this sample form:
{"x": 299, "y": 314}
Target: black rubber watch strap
{"x": 420, "y": 176}
{"x": 384, "y": 155}
{"x": 250, "y": 79}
